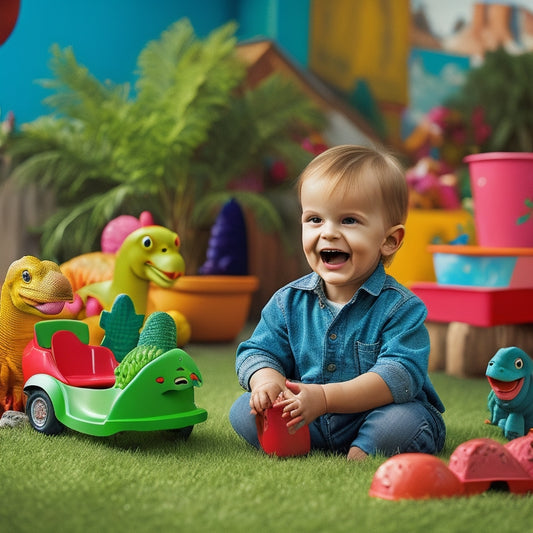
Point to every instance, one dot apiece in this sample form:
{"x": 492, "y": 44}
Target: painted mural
{"x": 406, "y": 57}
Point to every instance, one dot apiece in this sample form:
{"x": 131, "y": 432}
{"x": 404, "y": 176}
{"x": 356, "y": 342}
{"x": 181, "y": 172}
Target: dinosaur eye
{"x": 177, "y": 242}
{"x": 26, "y": 276}
{"x": 147, "y": 242}
{"x": 518, "y": 363}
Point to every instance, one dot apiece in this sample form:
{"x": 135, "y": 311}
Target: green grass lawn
{"x": 214, "y": 482}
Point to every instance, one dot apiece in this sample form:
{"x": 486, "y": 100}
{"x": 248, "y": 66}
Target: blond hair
{"x": 348, "y": 167}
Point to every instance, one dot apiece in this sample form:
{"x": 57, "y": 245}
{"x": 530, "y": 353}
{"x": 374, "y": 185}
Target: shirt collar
{"x": 373, "y": 285}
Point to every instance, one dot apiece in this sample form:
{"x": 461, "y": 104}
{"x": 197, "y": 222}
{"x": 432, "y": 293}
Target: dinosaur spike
{"x": 121, "y": 326}
{"x": 160, "y": 331}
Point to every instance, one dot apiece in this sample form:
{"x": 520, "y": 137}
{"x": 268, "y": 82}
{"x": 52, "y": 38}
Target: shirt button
{"x": 332, "y": 367}
{"x": 333, "y": 336}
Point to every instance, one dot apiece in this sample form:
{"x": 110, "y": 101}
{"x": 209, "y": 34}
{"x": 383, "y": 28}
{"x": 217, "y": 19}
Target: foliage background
{"x": 175, "y": 146}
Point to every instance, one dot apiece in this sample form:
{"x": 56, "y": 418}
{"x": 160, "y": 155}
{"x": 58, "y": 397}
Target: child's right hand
{"x": 265, "y": 386}
{"x": 264, "y": 396}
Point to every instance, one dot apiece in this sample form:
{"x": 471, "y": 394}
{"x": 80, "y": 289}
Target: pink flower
{"x": 439, "y": 115}
{"x": 313, "y": 148}
{"x": 278, "y": 171}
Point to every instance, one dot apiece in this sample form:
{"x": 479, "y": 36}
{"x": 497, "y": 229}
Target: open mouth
{"x": 506, "y": 390}
{"x": 334, "y": 257}
{"x": 181, "y": 380}
{"x": 50, "y": 308}
{"x": 171, "y": 276}
{"x": 46, "y": 308}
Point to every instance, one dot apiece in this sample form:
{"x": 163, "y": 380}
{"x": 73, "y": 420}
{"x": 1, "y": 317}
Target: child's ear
{"x": 393, "y": 240}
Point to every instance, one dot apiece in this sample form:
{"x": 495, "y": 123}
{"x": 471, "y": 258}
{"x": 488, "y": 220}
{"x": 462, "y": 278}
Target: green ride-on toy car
{"x": 83, "y": 387}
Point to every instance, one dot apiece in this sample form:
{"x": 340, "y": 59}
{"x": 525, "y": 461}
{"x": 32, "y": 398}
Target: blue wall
{"x": 107, "y": 36}
{"x": 284, "y": 21}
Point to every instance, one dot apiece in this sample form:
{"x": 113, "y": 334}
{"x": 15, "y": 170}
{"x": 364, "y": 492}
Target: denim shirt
{"x": 381, "y": 329}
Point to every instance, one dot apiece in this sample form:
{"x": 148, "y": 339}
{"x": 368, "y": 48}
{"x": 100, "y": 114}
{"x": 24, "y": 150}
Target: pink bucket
{"x": 502, "y": 190}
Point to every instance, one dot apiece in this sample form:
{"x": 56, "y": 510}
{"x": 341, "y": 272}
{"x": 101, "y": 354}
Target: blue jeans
{"x": 388, "y": 430}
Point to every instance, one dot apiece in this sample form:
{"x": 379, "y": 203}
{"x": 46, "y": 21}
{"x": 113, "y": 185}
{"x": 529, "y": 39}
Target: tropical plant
{"x": 175, "y": 146}
{"x": 501, "y": 89}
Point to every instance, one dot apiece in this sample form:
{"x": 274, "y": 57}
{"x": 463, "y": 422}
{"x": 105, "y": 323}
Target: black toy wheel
{"x": 183, "y": 433}
{"x": 41, "y": 413}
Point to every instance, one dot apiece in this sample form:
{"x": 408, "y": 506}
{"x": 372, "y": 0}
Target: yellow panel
{"x": 413, "y": 262}
{"x": 353, "y": 39}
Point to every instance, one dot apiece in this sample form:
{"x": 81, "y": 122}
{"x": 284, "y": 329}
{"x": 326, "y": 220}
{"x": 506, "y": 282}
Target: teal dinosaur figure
{"x": 148, "y": 254}
{"x": 157, "y": 337}
{"x": 510, "y": 402}
{"x": 121, "y": 325}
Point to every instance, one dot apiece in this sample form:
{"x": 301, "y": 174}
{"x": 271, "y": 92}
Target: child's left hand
{"x": 306, "y": 403}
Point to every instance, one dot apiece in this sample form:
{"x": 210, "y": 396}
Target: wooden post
{"x": 470, "y": 348}
{"x": 437, "y": 337}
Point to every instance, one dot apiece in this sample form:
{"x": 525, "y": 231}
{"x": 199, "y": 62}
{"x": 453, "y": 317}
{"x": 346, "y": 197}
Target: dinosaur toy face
{"x": 165, "y": 386}
{"x": 509, "y": 374}
{"x": 183, "y": 379}
{"x": 173, "y": 371}
{"x": 37, "y": 287}
{"x": 177, "y": 372}
{"x": 153, "y": 254}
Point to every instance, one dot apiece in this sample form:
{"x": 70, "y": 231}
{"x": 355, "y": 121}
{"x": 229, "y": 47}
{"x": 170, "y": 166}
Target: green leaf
{"x": 501, "y": 86}
{"x": 174, "y": 146}
{"x": 523, "y": 219}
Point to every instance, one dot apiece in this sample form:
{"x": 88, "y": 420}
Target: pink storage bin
{"x": 502, "y": 184}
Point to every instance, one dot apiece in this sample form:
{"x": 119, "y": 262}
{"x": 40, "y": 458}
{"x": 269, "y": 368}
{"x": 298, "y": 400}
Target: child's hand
{"x": 264, "y": 396}
{"x": 306, "y": 403}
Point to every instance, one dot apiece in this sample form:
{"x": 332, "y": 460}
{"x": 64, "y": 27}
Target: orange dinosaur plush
{"x": 32, "y": 291}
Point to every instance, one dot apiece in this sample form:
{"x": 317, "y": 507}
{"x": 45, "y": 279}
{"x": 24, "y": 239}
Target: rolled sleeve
{"x": 398, "y": 379}
{"x": 251, "y": 364}
{"x": 268, "y": 347}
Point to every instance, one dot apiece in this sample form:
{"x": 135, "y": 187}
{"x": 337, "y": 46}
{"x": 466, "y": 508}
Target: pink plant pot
{"x": 502, "y": 190}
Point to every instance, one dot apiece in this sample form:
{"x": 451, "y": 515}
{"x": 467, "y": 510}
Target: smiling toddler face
{"x": 343, "y": 233}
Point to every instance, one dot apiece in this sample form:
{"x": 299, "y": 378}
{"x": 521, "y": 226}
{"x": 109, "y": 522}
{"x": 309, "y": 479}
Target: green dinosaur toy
{"x": 149, "y": 254}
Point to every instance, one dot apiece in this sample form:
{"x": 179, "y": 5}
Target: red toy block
{"x": 478, "y": 306}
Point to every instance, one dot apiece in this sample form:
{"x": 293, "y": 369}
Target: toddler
{"x": 344, "y": 349}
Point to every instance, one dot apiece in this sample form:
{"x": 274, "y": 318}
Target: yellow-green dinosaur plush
{"x": 32, "y": 291}
{"x": 148, "y": 254}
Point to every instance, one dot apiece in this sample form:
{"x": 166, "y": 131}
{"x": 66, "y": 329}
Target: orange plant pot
{"x": 216, "y": 307}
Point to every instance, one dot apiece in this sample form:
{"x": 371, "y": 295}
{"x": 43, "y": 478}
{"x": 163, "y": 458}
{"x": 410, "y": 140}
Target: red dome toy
{"x": 414, "y": 476}
{"x": 474, "y": 467}
{"x": 479, "y": 463}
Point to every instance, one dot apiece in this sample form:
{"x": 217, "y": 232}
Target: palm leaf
{"x": 173, "y": 147}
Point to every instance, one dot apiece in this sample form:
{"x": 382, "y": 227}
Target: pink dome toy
{"x": 119, "y": 228}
